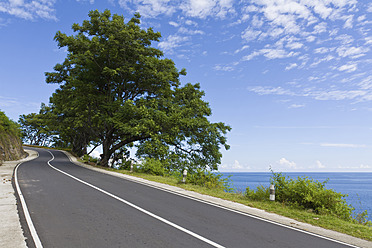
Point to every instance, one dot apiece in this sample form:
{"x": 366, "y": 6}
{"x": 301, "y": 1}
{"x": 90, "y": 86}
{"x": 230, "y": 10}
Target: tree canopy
{"x": 119, "y": 91}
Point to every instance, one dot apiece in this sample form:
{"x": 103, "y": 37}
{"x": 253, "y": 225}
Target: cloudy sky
{"x": 293, "y": 78}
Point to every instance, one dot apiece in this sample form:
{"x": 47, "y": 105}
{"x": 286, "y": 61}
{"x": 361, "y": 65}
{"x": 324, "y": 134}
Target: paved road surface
{"x": 71, "y": 206}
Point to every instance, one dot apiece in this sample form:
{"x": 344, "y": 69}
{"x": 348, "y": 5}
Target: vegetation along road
{"x": 71, "y": 206}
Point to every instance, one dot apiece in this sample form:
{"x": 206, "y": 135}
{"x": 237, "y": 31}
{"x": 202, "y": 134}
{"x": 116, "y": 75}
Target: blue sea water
{"x": 358, "y": 186}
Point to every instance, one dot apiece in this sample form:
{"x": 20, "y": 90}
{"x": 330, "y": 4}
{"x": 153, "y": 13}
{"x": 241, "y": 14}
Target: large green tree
{"x": 118, "y": 90}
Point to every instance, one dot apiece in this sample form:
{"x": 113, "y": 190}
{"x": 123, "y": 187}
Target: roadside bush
{"x": 86, "y": 158}
{"x": 362, "y": 218}
{"x": 261, "y": 194}
{"x": 125, "y": 165}
{"x": 152, "y": 166}
{"x": 307, "y": 193}
{"x": 208, "y": 179}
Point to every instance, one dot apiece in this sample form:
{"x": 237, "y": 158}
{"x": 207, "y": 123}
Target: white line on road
{"x": 30, "y": 224}
{"x": 138, "y": 208}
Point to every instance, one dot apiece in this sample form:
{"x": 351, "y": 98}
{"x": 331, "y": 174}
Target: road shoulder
{"x": 258, "y": 213}
{"x": 11, "y": 233}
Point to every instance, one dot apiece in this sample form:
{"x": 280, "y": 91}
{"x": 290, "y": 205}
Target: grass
{"x": 330, "y": 222}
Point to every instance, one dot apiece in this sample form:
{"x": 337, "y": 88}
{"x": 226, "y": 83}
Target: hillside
{"x": 10, "y": 142}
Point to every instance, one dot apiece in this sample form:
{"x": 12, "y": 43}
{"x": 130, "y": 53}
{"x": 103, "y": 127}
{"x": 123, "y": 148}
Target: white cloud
{"x": 150, "y": 8}
{"x": 348, "y": 67}
{"x": 320, "y": 165}
{"x": 290, "y": 164}
{"x": 366, "y": 83}
{"x": 352, "y": 52}
{"x": 241, "y": 49}
{"x": 291, "y": 66}
{"x": 90, "y": 1}
{"x": 320, "y": 28}
{"x": 223, "y": 68}
{"x": 369, "y": 9}
{"x": 294, "y": 45}
{"x": 172, "y": 42}
{"x": 343, "y": 145}
{"x": 184, "y": 30}
{"x": 174, "y": 24}
{"x": 321, "y": 50}
{"x": 237, "y": 165}
{"x": 338, "y": 95}
{"x": 191, "y": 23}
{"x": 249, "y": 34}
{"x": 345, "y": 39}
{"x": 297, "y": 106}
{"x": 271, "y": 91}
{"x": 277, "y": 53}
{"x": 349, "y": 21}
{"x": 205, "y": 8}
{"x": 362, "y": 166}
{"x": 29, "y": 10}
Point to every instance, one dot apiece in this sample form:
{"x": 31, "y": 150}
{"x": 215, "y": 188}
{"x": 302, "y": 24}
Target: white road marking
{"x": 30, "y": 224}
{"x": 138, "y": 208}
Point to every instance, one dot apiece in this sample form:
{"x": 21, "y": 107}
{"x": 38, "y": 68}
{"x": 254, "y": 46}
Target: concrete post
{"x": 272, "y": 193}
{"x": 184, "y": 176}
{"x": 131, "y": 166}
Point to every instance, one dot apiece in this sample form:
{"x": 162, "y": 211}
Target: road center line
{"x": 137, "y": 207}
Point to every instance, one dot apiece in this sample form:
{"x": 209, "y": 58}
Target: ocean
{"x": 358, "y": 185}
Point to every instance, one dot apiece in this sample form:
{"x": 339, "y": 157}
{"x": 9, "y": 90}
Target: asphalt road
{"x": 71, "y": 206}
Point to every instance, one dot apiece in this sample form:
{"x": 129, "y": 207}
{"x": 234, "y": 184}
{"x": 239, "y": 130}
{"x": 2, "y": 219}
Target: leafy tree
{"x": 36, "y": 128}
{"x": 117, "y": 90}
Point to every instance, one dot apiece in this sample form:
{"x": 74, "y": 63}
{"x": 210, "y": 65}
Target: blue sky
{"x": 293, "y": 78}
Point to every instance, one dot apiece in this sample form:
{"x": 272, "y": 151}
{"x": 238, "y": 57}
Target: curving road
{"x": 71, "y": 206}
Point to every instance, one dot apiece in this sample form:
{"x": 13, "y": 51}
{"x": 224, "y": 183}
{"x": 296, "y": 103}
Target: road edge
{"x": 11, "y": 232}
{"x": 238, "y": 207}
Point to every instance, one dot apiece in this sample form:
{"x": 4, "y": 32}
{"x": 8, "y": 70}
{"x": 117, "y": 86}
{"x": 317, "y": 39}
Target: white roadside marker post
{"x": 184, "y": 176}
{"x": 131, "y": 166}
{"x": 272, "y": 192}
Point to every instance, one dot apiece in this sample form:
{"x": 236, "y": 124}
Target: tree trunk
{"x": 105, "y": 157}
{"x": 79, "y": 147}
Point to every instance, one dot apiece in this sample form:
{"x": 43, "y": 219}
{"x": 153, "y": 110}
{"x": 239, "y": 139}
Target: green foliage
{"x": 151, "y": 166}
{"x": 117, "y": 90}
{"x": 309, "y": 194}
{"x": 362, "y": 218}
{"x": 208, "y": 179}
{"x": 9, "y": 126}
{"x": 261, "y": 194}
{"x": 88, "y": 159}
{"x": 37, "y": 128}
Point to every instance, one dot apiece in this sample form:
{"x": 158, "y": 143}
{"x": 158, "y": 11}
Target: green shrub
{"x": 261, "y": 194}
{"x": 125, "y": 165}
{"x": 208, "y": 179}
{"x": 87, "y": 158}
{"x": 309, "y": 194}
{"x": 362, "y": 218}
{"x": 152, "y": 166}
